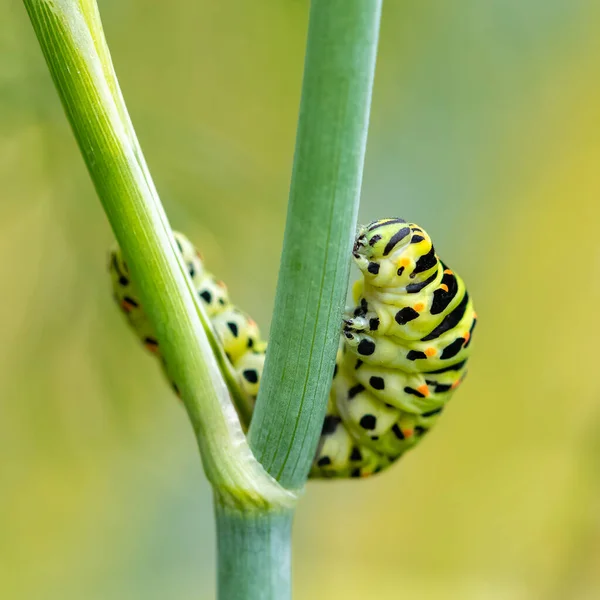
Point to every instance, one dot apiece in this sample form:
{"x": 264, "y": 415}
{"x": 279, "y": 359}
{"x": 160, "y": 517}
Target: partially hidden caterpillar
{"x": 403, "y": 348}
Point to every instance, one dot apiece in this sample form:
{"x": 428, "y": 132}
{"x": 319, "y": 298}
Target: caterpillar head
{"x": 394, "y": 253}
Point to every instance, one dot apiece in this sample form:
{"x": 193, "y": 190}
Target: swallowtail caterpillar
{"x": 403, "y": 348}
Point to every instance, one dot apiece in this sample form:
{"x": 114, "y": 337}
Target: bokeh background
{"x": 485, "y": 129}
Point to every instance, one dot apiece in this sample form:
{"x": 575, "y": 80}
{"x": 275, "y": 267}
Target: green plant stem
{"x": 254, "y": 554}
{"x": 311, "y": 289}
{"x": 72, "y": 40}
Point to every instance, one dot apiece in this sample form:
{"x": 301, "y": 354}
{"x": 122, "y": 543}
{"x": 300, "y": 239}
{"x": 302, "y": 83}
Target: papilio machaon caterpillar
{"x": 403, "y": 348}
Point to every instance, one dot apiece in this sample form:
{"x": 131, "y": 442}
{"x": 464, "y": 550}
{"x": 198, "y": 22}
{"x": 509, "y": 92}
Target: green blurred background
{"x": 485, "y": 129}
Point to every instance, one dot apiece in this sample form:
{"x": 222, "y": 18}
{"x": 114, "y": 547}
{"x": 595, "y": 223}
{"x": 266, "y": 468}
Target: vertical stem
{"x": 254, "y": 554}
{"x": 313, "y": 276}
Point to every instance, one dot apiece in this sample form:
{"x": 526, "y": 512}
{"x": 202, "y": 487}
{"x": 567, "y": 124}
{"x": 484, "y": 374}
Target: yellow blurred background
{"x": 485, "y": 129}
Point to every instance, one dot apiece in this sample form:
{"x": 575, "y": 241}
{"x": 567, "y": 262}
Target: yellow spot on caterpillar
{"x": 423, "y": 389}
{"x": 444, "y": 287}
{"x": 419, "y": 306}
{"x": 431, "y": 352}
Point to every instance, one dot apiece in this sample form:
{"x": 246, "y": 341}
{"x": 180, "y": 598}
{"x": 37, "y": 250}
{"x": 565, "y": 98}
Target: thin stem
{"x": 311, "y": 289}
{"x": 254, "y": 554}
{"x": 70, "y": 34}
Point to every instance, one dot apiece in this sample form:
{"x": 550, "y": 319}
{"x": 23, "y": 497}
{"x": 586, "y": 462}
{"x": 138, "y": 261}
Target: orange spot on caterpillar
{"x": 474, "y": 315}
{"x": 407, "y": 433}
{"x": 456, "y": 384}
{"x": 431, "y": 352}
{"x": 448, "y": 271}
{"x": 444, "y": 287}
{"x": 423, "y": 389}
{"x": 466, "y": 336}
{"x": 152, "y": 348}
{"x": 126, "y": 306}
{"x": 403, "y": 262}
{"x": 419, "y": 306}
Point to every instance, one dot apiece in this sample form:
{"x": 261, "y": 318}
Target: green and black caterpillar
{"x": 403, "y": 348}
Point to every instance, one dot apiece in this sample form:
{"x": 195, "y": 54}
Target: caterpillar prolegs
{"x": 403, "y": 348}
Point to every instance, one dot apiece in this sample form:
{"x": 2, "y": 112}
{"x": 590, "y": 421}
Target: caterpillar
{"x": 403, "y": 347}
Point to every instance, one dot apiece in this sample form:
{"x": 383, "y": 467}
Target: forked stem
{"x": 253, "y": 506}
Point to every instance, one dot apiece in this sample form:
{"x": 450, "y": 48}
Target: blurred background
{"x": 485, "y": 129}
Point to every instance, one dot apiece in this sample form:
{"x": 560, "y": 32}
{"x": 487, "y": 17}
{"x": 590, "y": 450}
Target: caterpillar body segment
{"x": 403, "y": 346}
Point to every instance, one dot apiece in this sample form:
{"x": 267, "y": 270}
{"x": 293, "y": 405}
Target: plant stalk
{"x": 311, "y": 288}
{"x": 254, "y": 554}
{"x": 321, "y": 222}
